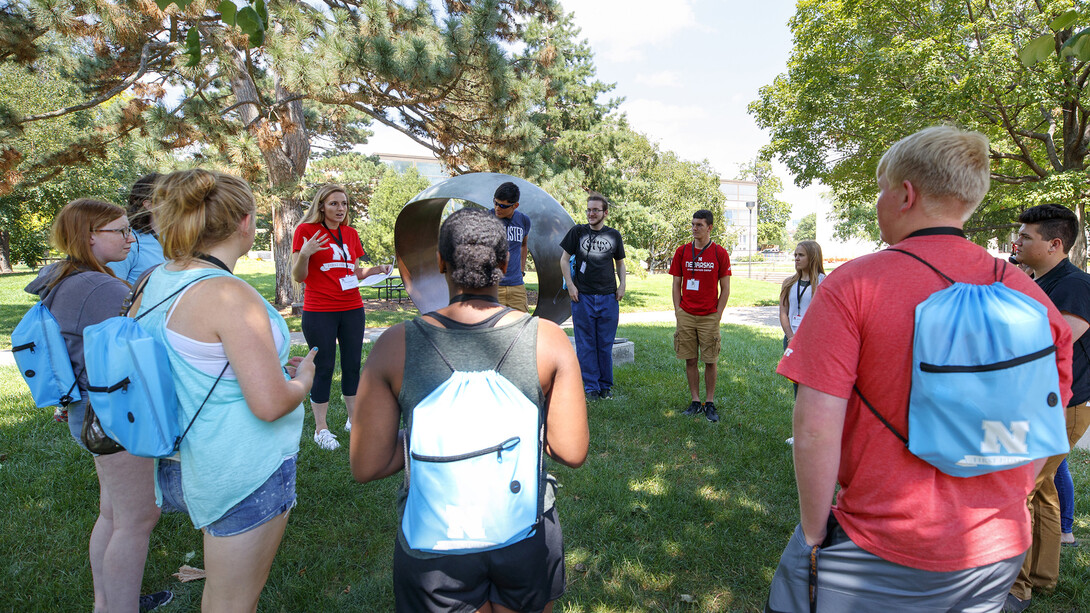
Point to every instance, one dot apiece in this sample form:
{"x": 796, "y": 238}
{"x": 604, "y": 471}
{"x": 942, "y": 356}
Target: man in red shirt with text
{"x": 701, "y": 271}
{"x": 902, "y": 534}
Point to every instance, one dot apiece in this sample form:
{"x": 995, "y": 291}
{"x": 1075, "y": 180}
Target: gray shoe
{"x": 1015, "y": 604}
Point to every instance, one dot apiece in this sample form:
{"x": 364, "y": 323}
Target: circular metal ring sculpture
{"x": 416, "y": 239}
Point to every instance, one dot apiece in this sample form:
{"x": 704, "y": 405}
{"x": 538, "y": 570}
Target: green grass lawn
{"x": 667, "y": 508}
{"x": 651, "y": 293}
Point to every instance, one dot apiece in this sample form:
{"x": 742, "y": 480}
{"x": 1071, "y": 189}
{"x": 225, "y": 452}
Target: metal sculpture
{"x": 416, "y": 239}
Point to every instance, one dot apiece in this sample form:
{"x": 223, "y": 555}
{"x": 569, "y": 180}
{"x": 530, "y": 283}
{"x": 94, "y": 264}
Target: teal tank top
{"x": 229, "y": 452}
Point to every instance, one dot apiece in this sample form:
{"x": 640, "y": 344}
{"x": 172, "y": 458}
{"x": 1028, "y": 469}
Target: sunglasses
{"x": 504, "y": 206}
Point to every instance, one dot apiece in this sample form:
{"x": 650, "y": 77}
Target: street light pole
{"x": 750, "y": 238}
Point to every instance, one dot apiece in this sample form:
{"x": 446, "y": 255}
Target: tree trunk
{"x": 5, "y": 251}
{"x": 281, "y": 135}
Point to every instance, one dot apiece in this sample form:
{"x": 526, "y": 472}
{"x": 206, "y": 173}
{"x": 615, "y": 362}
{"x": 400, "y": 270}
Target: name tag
{"x": 795, "y": 321}
{"x": 583, "y": 267}
{"x": 349, "y": 283}
{"x": 693, "y": 285}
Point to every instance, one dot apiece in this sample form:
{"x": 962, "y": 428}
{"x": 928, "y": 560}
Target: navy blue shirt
{"x": 518, "y": 229}
{"x": 1069, "y": 289}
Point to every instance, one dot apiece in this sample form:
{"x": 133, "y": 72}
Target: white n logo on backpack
{"x": 996, "y": 434}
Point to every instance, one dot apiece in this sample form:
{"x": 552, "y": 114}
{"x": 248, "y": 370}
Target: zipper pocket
{"x": 1011, "y": 363}
{"x": 507, "y": 445}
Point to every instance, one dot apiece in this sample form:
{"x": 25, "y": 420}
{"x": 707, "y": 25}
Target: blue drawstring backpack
{"x": 985, "y": 390}
{"x": 130, "y": 384}
{"x": 473, "y": 464}
{"x": 42, "y": 358}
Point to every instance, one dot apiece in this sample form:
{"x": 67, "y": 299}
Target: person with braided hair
{"x": 474, "y": 333}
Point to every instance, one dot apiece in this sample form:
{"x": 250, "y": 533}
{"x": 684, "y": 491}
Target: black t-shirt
{"x": 595, "y": 252}
{"x": 1069, "y": 289}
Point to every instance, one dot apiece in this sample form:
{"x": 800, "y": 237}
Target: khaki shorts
{"x": 514, "y": 296}
{"x": 697, "y": 332}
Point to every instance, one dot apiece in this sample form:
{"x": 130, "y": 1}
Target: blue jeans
{"x": 1065, "y": 487}
{"x": 595, "y": 317}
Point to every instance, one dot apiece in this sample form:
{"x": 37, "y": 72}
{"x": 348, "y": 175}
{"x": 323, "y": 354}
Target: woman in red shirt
{"x": 327, "y": 253}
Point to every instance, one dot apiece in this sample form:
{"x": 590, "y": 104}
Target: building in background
{"x": 738, "y": 229}
{"x": 428, "y": 166}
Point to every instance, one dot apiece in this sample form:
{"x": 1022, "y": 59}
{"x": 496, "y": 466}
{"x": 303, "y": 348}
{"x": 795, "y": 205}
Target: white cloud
{"x": 665, "y": 78}
{"x": 619, "y": 30}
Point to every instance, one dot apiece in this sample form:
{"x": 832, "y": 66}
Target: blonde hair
{"x": 815, "y": 267}
{"x": 196, "y": 209}
{"x": 71, "y": 235}
{"x": 316, "y": 212}
{"x": 941, "y": 162}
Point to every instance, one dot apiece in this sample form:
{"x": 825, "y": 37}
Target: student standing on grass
{"x": 1048, "y": 231}
{"x": 327, "y": 257}
{"x": 146, "y": 251}
{"x": 505, "y": 204}
{"x": 81, "y": 291}
{"x": 902, "y": 534}
{"x": 474, "y": 333}
{"x": 595, "y": 294}
{"x": 701, "y": 271}
{"x": 234, "y": 473}
{"x": 799, "y": 289}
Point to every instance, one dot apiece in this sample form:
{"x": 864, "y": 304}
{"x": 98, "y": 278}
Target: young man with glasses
{"x": 701, "y": 271}
{"x": 504, "y": 205}
{"x": 596, "y": 285}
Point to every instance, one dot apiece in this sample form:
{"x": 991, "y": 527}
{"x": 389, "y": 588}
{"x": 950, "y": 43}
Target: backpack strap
{"x": 925, "y": 262}
{"x": 420, "y": 326}
{"x": 139, "y": 289}
{"x": 178, "y": 441}
{"x": 889, "y": 426}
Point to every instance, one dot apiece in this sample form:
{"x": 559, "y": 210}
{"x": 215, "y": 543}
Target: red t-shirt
{"x": 858, "y": 331}
{"x": 711, "y": 264}
{"x": 328, "y": 266}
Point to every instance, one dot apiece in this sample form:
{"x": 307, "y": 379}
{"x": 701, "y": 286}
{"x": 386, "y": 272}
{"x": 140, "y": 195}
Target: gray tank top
{"x": 478, "y": 349}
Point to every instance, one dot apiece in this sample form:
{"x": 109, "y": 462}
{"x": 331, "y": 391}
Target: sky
{"x": 687, "y": 70}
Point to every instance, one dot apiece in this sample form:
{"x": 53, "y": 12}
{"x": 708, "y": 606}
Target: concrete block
{"x": 1084, "y": 442}
{"x": 624, "y": 350}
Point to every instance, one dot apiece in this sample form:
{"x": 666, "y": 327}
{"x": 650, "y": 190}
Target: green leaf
{"x": 1064, "y": 20}
{"x": 263, "y": 13}
{"x": 193, "y": 47}
{"x": 1078, "y": 45}
{"x": 250, "y": 22}
{"x": 227, "y": 11}
{"x": 1038, "y": 49}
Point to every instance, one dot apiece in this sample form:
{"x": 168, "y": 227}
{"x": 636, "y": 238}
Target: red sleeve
{"x": 301, "y": 233}
{"x": 724, "y": 263}
{"x": 824, "y": 353}
{"x": 675, "y": 264}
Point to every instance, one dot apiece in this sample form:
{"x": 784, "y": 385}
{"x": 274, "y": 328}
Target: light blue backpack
{"x": 130, "y": 384}
{"x": 473, "y": 463}
{"x": 42, "y": 358}
{"x": 985, "y": 388}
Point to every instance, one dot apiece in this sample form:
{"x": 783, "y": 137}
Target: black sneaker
{"x": 592, "y": 396}
{"x": 606, "y": 395}
{"x": 693, "y": 409}
{"x": 709, "y": 412}
{"x": 149, "y": 602}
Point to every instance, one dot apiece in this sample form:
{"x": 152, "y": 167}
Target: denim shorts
{"x": 274, "y": 497}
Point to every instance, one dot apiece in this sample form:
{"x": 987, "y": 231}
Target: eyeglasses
{"x": 589, "y": 211}
{"x": 125, "y": 232}
{"x": 504, "y": 206}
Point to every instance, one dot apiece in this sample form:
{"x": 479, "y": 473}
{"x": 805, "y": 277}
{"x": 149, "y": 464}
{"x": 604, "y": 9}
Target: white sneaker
{"x": 790, "y": 441}
{"x": 348, "y": 425}
{"x": 326, "y": 440}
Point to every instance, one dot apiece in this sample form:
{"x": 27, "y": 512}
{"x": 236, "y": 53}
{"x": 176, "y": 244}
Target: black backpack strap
{"x": 424, "y": 333}
{"x": 178, "y": 441}
{"x": 886, "y": 423}
{"x": 139, "y": 290}
{"x": 522, "y": 328}
{"x": 925, "y": 262}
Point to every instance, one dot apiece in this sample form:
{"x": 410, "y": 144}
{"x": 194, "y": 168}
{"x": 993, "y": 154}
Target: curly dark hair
{"x": 473, "y": 244}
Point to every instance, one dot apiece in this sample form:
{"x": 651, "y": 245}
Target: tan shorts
{"x": 697, "y": 332}
{"x": 514, "y": 296}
